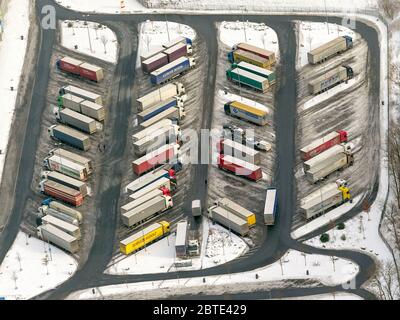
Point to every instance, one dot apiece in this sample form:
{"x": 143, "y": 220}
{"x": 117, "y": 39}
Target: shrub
{"x": 343, "y": 237}
{"x": 324, "y": 238}
{"x": 341, "y": 226}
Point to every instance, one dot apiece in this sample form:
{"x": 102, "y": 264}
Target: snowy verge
{"x": 218, "y": 247}
{"x": 325, "y": 219}
{"x": 294, "y": 265}
{"x": 328, "y": 296}
{"x": 92, "y": 39}
{"x": 12, "y": 54}
{"x": 31, "y": 267}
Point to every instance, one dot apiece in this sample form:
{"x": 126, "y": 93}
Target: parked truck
{"x": 239, "y": 167}
{"x": 324, "y": 199}
{"x": 321, "y": 159}
{"x": 149, "y": 178}
{"x": 54, "y": 205}
{"x": 151, "y": 53}
{"x": 196, "y": 208}
{"x": 79, "y": 68}
{"x": 57, "y": 214}
{"x": 60, "y": 192}
{"x": 86, "y": 107}
{"x": 182, "y": 238}
{"x": 81, "y": 93}
{"x": 86, "y": 162}
{"x": 159, "y": 107}
{"x": 177, "y": 51}
{"x": 229, "y": 220}
{"x": 69, "y": 228}
{"x": 157, "y": 184}
{"x": 155, "y": 158}
{"x": 249, "y": 79}
{"x": 330, "y": 49}
{"x": 172, "y": 70}
{"x": 76, "y": 120}
{"x": 269, "y": 55}
{"x": 144, "y": 237}
{"x": 147, "y": 210}
{"x": 66, "y": 181}
{"x": 177, "y": 40}
{"x": 65, "y": 166}
{"x": 58, "y": 237}
{"x": 265, "y": 73}
{"x": 238, "y": 150}
{"x": 322, "y": 144}
{"x": 155, "y": 62}
{"x": 330, "y": 79}
{"x": 174, "y": 114}
{"x": 246, "y": 56}
{"x": 70, "y": 136}
{"x": 270, "y": 207}
{"x": 237, "y": 210}
{"x": 170, "y": 90}
{"x": 254, "y": 114}
{"x": 147, "y": 197}
{"x": 164, "y": 123}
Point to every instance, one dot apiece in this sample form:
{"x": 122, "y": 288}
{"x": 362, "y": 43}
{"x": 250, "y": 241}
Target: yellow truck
{"x": 237, "y": 210}
{"x": 144, "y": 237}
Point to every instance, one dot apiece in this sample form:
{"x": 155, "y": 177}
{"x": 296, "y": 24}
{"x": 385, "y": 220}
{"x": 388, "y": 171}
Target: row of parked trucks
{"x": 168, "y": 61}
{"x": 321, "y": 158}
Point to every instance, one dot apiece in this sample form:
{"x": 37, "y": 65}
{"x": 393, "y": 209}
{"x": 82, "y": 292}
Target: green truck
{"x": 249, "y": 79}
{"x": 270, "y": 75}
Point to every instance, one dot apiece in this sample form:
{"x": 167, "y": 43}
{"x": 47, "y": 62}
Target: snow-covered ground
{"x": 311, "y": 35}
{"x": 293, "y": 265}
{"x": 24, "y": 274}
{"x": 218, "y": 247}
{"x": 106, "y": 6}
{"x": 92, "y": 39}
{"x": 12, "y": 55}
{"x": 156, "y": 33}
{"x": 257, "y": 34}
{"x": 330, "y": 296}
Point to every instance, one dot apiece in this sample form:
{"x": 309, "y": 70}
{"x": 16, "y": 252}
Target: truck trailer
{"x": 66, "y": 181}
{"x": 265, "y": 73}
{"x": 67, "y": 167}
{"x": 58, "y": 237}
{"x": 240, "y": 55}
{"x": 249, "y": 79}
{"x": 238, "y": 150}
{"x": 147, "y": 197}
{"x": 196, "y": 208}
{"x": 85, "y": 107}
{"x": 182, "y": 238}
{"x": 321, "y": 159}
{"x": 330, "y": 79}
{"x": 239, "y": 167}
{"x": 269, "y": 55}
{"x": 146, "y": 210}
{"x": 254, "y": 114}
{"x": 172, "y": 70}
{"x": 270, "y": 207}
{"x": 55, "y": 205}
{"x": 324, "y": 199}
{"x": 177, "y": 40}
{"x": 69, "y": 228}
{"x": 70, "y": 136}
{"x": 60, "y": 192}
{"x": 144, "y": 237}
{"x": 44, "y": 210}
{"x": 174, "y": 114}
{"x": 151, "y": 53}
{"x": 177, "y": 51}
{"x": 157, "y": 184}
{"x": 155, "y": 62}
{"x": 149, "y": 178}
{"x": 79, "y": 68}
{"x": 150, "y": 130}
{"x": 81, "y": 93}
{"x": 170, "y": 90}
{"x": 229, "y": 220}
{"x": 237, "y": 210}
{"x": 86, "y": 162}
{"x": 322, "y": 144}
{"x": 330, "y": 49}
{"x": 76, "y": 120}
{"x": 156, "y": 158}
{"x": 158, "y": 108}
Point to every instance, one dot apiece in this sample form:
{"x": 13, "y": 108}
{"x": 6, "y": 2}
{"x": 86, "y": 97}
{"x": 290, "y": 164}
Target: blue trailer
{"x": 158, "y": 108}
{"x": 70, "y": 136}
{"x": 171, "y": 70}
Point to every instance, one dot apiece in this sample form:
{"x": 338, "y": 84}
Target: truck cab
{"x": 193, "y": 248}
{"x": 350, "y": 72}
{"x": 349, "y": 42}
{"x": 230, "y": 57}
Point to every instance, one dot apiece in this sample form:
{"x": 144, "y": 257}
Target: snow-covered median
{"x": 218, "y": 247}
{"x": 106, "y": 6}
{"x": 90, "y": 38}
{"x": 12, "y": 55}
{"x": 31, "y": 267}
{"x": 293, "y": 265}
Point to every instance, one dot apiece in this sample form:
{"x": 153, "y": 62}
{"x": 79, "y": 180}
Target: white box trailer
{"x": 67, "y": 167}
{"x": 182, "y": 237}
{"x": 58, "y": 237}
{"x": 86, "y": 162}
{"x": 93, "y": 110}
{"x": 196, "y": 208}
{"x": 331, "y": 165}
{"x": 156, "y": 140}
{"x": 163, "y": 93}
{"x": 163, "y": 182}
{"x": 171, "y": 113}
{"x": 135, "y": 203}
{"x": 321, "y": 159}
{"x": 146, "y": 210}
{"x": 72, "y": 102}
{"x": 240, "y": 151}
{"x": 77, "y": 120}
{"x": 69, "y": 228}
{"x": 57, "y": 206}
{"x": 151, "y": 53}
{"x": 148, "y": 131}
{"x": 81, "y": 93}
{"x": 321, "y": 200}
{"x": 270, "y": 207}
{"x": 66, "y": 180}
{"x": 229, "y": 220}
{"x": 145, "y": 180}
{"x": 238, "y": 210}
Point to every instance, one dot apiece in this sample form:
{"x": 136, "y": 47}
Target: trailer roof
{"x": 230, "y": 216}
{"x": 72, "y": 132}
{"x": 58, "y": 233}
{"x": 73, "y": 61}
{"x": 235, "y": 207}
{"x": 154, "y": 153}
{"x": 327, "y": 75}
{"x": 77, "y": 115}
{"x": 160, "y": 116}
{"x": 66, "y": 178}
{"x": 324, "y": 155}
{"x": 181, "y": 233}
{"x": 82, "y": 92}
{"x": 92, "y": 105}
{"x": 248, "y": 74}
{"x": 174, "y": 42}
{"x": 258, "y": 69}
{"x": 175, "y": 48}
{"x": 240, "y": 147}
{"x": 156, "y": 106}
{"x": 71, "y": 155}
{"x": 319, "y": 141}
{"x": 328, "y": 161}
{"x": 255, "y": 49}
{"x": 147, "y": 204}
{"x": 153, "y": 185}
{"x": 151, "y": 52}
{"x": 319, "y": 195}
{"x": 141, "y": 233}
{"x": 257, "y": 110}
{"x": 169, "y": 66}
{"x": 61, "y": 187}
{"x": 90, "y": 67}
{"x": 73, "y": 98}
{"x": 251, "y": 56}
{"x": 270, "y": 199}
{"x": 145, "y": 179}
{"x": 154, "y": 58}
{"x": 163, "y": 132}
{"x": 69, "y": 163}
{"x": 327, "y": 45}
{"x": 143, "y": 133}
{"x": 162, "y": 89}
{"x": 137, "y": 202}
{"x": 61, "y": 224}
{"x": 241, "y": 163}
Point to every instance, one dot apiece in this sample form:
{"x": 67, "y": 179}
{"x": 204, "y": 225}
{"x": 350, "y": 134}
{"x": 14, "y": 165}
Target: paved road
{"x": 278, "y": 238}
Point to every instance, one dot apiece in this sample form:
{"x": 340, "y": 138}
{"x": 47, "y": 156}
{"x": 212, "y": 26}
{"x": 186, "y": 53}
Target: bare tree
{"x": 384, "y": 282}
{"x": 394, "y": 159}
{"x": 389, "y": 7}
{"x": 45, "y": 262}
{"x": 104, "y": 41}
{"x": 18, "y": 257}
{"x": 147, "y": 39}
{"x": 15, "y": 278}
{"x": 309, "y": 39}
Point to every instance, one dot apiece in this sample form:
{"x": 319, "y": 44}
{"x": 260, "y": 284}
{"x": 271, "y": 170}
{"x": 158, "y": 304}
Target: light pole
{"x": 244, "y": 25}
{"x": 166, "y": 22}
{"x": 87, "y": 27}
